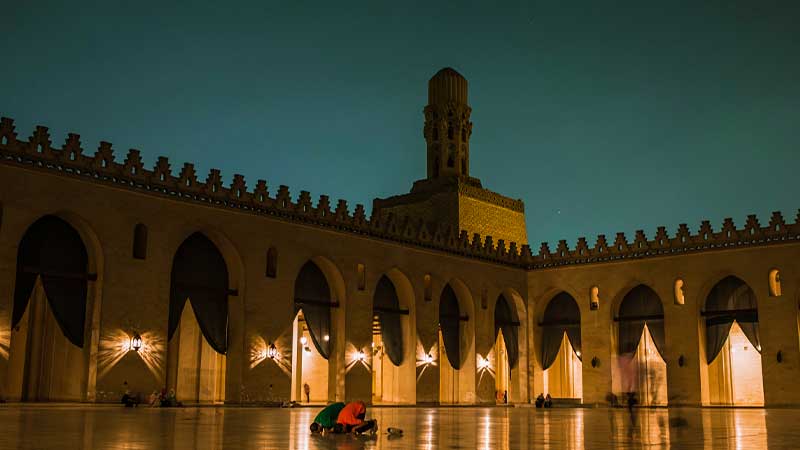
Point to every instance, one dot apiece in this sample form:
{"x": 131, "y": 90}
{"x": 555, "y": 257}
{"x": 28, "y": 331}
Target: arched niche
{"x": 732, "y": 362}
{"x": 198, "y": 323}
{"x": 394, "y": 340}
{"x": 457, "y": 360}
{"x": 560, "y": 355}
{"x": 640, "y": 364}
{"x": 318, "y": 337}
{"x": 54, "y": 314}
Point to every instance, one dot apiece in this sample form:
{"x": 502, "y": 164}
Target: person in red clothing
{"x": 351, "y": 418}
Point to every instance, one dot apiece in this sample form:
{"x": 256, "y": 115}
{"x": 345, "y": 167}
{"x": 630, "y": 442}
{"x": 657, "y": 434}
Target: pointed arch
{"x": 312, "y": 294}
{"x": 641, "y": 306}
{"x": 507, "y": 320}
{"x": 199, "y": 274}
{"x": 450, "y": 323}
{"x": 562, "y": 315}
{"x": 731, "y": 299}
{"x": 53, "y": 250}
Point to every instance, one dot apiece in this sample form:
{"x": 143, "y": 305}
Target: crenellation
{"x": 104, "y": 159}
{"x": 601, "y": 246}
{"x": 162, "y": 172}
{"x": 101, "y": 167}
{"x": 360, "y": 217}
{"x": 39, "y": 142}
{"x": 620, "y": 244}
{"x": 72, "y": 150}
{"x": 303, "y": 205}
{"x": 8, "y": 137}
{"x": 132, "y": 165}
{"x": 283, "y": 200}
{"x": 238, "y": 188}
{"x": 562, "y": 251}
{"x": 582, "y": 247}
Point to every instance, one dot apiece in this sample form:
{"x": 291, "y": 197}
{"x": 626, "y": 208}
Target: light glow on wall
{"x": 260, "y": 350}
{"x": 116, "y": 344}
{"x": 426, "y": 358}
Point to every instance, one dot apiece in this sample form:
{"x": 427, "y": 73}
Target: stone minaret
{"x": 447, "y": 126}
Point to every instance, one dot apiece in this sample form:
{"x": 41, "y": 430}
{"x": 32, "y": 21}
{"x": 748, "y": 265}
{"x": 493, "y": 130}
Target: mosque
{"x": 113, "y": 274}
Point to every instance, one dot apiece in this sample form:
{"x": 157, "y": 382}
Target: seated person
{"x": 326, "y": 419}
{"x": 351, "y": 419}
{"x": 548, "y": 401}
{"x": 540, "y": 401}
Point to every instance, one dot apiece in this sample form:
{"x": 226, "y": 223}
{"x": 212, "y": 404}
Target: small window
{"x": 140, "y": 241}
{"x": 594, "y": 298}
{"x": 679, "y": 298}
{"x": 450, "y": 132}
{"x": 4, "y": 140}
{"x": 484, "y": 298}
{"x": 428, "y": 288}
{"x": 362, "y": 277}
{"x": 272, "y": 262}
{"x": 463, "y": 166}
{"x": 774, "y": 283}
{"x": 40, "y": 148}
{"x": 463, "y": 135}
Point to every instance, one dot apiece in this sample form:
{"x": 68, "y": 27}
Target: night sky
{"x": 602, "y": 119}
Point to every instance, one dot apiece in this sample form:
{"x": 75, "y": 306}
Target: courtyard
{"x": 497, "y": 428}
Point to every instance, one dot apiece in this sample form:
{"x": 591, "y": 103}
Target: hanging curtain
{"x": 53, "y": 249}
{"x": 312, "y": 295}
{"x": 730, "y": 299}
{"x": 199, "y": 273}
{"x": 506, "y": 320}
{"x": 449, "y": 323}
{"x": 388, "y": 313}
{"x": 562, "y": 315}
{"x": 641, "y": 306}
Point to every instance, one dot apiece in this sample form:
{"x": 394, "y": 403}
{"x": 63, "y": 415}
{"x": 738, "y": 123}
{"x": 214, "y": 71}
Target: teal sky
{"x": 601, "y": 118}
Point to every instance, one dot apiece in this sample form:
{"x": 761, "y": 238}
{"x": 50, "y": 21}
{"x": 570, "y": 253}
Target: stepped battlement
{"x": 38, "y": 153}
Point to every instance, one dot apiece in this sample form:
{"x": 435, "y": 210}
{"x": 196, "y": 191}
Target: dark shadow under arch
{"x": 200, "y": 274}
{"x": 562, "y": 315}
{"x": 53, "y": 249}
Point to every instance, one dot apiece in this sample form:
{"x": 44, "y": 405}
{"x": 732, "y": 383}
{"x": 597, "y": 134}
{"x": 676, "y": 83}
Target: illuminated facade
{"x": 116, "y": 273}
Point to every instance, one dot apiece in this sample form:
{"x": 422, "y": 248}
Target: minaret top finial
{"x": 447, "y": 86}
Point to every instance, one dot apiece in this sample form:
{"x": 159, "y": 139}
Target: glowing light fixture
{"x": 326, "y": 338}
{"x": 428, "y": 359}
{"x": 483, "y": 363}
{"x": 303, "y": 341}
{"x": 361, "y": 356}
{"x": 272, "y": 351}
{"x": 136, "y": 342}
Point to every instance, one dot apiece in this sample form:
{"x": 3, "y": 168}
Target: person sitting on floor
{"x": 548, "y": 401}
{"x": 540, "y": 401}
{"x": 129, "y": 399}
{"x": 326, "y": 419}
{"x": 351, "y": 418}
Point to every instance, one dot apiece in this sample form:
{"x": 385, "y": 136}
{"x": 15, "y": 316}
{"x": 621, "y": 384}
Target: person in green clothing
{"x": 326, "y": 419}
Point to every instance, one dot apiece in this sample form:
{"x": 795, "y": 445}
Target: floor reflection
{"x": 496, "y": 428}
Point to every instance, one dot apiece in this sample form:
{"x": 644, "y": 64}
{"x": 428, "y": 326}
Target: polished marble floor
{"x": 110, "y": 427}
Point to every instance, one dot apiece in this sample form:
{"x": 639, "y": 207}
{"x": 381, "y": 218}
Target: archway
{"x": 506, "y": 348}
{"x": 457, "y": 364}
{"x": 47, "y": 358}
{"x": 561, "y": 348}
{"x": 198, "y": 321}
{"x": 733, "y": 348}
{"x": 393, "y": 341}
{"x": 641, "y": 367}
{"x": 313, "y": 347}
